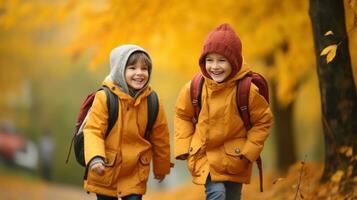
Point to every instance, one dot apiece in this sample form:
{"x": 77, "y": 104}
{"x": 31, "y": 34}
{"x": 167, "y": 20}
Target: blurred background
{"x": 54, "y": 53}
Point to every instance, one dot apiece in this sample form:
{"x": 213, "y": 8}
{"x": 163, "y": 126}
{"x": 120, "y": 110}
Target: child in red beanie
{"x": 218, "y": 148}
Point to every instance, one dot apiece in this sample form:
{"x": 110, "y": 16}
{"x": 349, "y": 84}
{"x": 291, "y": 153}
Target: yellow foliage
{"x": 173, "y": 32}
{"x": 274, "y": 33}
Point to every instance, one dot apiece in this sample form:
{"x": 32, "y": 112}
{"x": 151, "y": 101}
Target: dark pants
{"x": 129, "y": 197}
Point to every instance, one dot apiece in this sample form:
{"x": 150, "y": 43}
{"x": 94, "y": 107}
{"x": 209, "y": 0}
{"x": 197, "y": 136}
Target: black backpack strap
{"x": 113, "y": 107}
{"x": 153, "y": 110}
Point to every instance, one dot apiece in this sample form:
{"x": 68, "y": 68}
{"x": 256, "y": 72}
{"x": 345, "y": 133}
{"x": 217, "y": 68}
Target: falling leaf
{"x": 277, "y": 180}
{"x": 328, "y": 33}
{"x": 330, "y": 51}
{"x": 336, "y": 178}
{"x": 352, "y": 3}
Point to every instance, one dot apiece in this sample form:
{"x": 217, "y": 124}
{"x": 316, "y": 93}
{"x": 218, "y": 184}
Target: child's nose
{"x": 215, "y": 65}
{"x": 140, "y": 71}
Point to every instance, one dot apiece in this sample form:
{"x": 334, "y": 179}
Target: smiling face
{"x": 137, "y": 75}
{"x": 218, "y": 67}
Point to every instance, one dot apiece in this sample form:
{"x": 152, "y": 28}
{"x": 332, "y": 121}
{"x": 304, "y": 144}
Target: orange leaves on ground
{"x": 330, "y": 51}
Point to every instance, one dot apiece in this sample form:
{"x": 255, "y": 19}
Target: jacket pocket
{"x": 235, "y": 164}
{"x": 193, "y": 158}
{"x": 144, "y": 165}
{"x": 107, "y": 179}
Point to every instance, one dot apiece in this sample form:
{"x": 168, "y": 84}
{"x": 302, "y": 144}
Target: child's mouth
{"x": 217, "y": 73}
{"x": 138, "y": 80}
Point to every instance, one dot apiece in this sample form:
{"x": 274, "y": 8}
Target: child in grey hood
{"x": 119, "y": 165}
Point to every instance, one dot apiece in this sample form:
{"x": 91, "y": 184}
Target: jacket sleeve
{"x": 261, "y": 119}
{"x": 183, "y": 126}
{"x": 160, "y": 139}
{"x": 95, "y": 128}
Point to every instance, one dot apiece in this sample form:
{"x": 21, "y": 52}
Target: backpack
{"x": 113, "y": 106}
{"x": 242, "y": 98}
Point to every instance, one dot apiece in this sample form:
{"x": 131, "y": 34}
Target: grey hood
{"x": 118, "y": 59}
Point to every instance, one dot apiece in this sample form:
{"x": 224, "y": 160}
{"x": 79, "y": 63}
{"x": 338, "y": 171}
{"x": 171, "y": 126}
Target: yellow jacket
{"x": 126, "y": 152}
{"x": 219, "y": 138}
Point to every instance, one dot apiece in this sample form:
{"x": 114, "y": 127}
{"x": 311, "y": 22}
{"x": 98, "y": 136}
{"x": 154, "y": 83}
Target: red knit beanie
{"x": 223, "y": 40}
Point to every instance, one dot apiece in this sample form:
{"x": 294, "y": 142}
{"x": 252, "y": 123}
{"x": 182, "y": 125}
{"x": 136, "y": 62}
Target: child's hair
{"x": 139, "y": 56}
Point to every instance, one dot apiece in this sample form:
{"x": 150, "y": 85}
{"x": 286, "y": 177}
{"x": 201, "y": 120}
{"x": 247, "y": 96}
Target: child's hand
{"x": 182, "y": 157}
{"x": 160, "y": 178}
{"x": 98, "y": 168}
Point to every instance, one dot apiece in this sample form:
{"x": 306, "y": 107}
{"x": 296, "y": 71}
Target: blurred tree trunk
{"x": 283, "y": 122}
{"x": 284, "y": 132}
{"x": 337, "y": 88}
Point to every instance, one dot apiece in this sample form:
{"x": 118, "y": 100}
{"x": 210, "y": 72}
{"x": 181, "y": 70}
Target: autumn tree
{"x": 337, "y": 88}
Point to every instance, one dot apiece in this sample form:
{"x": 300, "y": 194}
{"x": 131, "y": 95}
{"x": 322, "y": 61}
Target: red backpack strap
{"x": 262, "y": 84}
{"x": 243, "y": 88}
{"x": 195, "y": 92}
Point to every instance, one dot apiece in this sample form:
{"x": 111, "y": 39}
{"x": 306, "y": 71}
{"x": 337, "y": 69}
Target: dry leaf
{"x": 336, "y": 178}
{"x": 330, "y": 51}
{"x": 277, "y": 180}
{"x": 328, "y": 33}
{"x": 352, "y": 3}
{"x": 327, "y": 49}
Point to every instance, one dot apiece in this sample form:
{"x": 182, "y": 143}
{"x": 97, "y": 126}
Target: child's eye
{"x": 209, "y": 59}
{"x": 130, "y": 67}
{"x": 222, "y": 60}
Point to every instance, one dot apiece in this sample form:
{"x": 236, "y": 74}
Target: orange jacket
{"x": 126, "y": 152}
{"x": 219, "y": 138}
